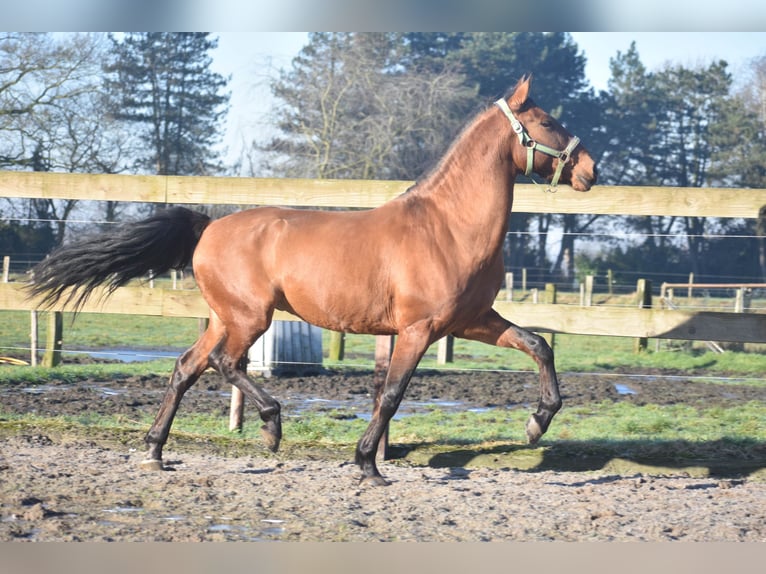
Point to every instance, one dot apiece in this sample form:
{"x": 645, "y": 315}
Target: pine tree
{"x": 162, "y": 83}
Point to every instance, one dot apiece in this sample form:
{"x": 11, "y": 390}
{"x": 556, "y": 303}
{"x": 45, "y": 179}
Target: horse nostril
{"x": 587, "y": 182}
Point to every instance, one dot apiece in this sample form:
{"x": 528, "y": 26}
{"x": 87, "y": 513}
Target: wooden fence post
{"x": 610, "y": 281}
{"x": 6, "y": 268}
{"x": 524, "y": 279}
{"x": 588, "y": 295}
{"x": 742, "y": 300}
{"x": 550, "y": 298}
{"x": 236, "y": 410}
{"x": 644, "y": 298}
{"x": 52, "y": 356}
{"x": 445, "y": 350}
{"x": 337, "y": 346}
{"x": 384, "y": 346}
{"x": 509, "y": 286}
{"x": 237, "y": 404}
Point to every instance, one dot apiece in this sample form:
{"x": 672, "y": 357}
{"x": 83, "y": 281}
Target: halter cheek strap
{"x": 532, "y": 145}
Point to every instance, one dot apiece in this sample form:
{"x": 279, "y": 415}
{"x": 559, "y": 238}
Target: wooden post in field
{"x": 52, "y": 356}
{"x": 524, "y": 279}
{"x": 6, "y": 268}
{"x": 610, "y": 281}
{"x": 550, "y": 298}
{"x": 337, "y": 346}
{"x": 509, "y": 286}
{"x": 644, "y": 298}
{"x": 445, "y": 350}
{"x": 384, "y": 346}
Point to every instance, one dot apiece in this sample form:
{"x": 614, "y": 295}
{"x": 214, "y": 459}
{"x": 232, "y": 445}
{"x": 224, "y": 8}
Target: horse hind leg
{"x": 493, "y": 329}
{"x": 226, "y": 358}
{"x": 188, "y": 368}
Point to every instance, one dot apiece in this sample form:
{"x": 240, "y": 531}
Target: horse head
{"x": 545, "y": 146}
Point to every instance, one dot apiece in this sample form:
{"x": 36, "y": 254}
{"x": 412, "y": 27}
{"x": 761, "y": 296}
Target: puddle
{"x": 361, "y": 407}
{"x": 127, "y": 355}
{"x": 39, "y": 389}
{"x": 123, "y": 509}
{"x": 624, "y": 389}
{"x": 109, "y": 392}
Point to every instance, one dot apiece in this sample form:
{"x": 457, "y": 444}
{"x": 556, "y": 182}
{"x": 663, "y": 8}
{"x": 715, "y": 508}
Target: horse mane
{"x": 441, "y": 166}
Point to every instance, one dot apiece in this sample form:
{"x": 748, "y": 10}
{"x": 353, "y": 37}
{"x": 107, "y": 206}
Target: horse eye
{"x": 546, "y": 123}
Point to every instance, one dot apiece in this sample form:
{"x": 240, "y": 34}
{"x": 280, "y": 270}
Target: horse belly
{"x": 337, "y": 305}
{"x": 335, "y": 289}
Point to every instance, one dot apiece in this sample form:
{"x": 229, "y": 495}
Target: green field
{"x": 573, "y": 352}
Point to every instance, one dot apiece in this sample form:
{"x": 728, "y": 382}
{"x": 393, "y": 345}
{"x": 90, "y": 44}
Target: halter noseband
{"x": 532, "y": 145}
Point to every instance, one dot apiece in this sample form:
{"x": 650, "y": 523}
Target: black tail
{"x": 164, "y": 241}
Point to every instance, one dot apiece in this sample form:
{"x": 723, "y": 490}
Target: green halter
{"x": 532, "y": 145}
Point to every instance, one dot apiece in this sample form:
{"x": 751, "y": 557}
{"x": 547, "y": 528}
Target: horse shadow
{"x": 723, "y": 458}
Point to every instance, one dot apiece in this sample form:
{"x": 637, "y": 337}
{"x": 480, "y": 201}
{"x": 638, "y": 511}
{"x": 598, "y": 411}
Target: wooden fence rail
{"x": 541, "y": 317}
{"x": 606, "y": 200}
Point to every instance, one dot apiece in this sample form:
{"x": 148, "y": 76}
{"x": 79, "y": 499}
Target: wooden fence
{"x": 543, "y": 317}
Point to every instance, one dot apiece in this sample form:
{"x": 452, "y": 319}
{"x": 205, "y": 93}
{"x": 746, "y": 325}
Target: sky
{"x": 253, "y": 58}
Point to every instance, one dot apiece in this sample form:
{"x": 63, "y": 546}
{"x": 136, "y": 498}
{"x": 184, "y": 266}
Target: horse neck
{"x": 472, "y": 187}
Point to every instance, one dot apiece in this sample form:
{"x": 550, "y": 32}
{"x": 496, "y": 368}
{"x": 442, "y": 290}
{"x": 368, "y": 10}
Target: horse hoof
{"x": 272, "y": 441}
{"x": 151, "y": 464}
{"x": 375, "y": 480}
{"x": 534, "y": 431}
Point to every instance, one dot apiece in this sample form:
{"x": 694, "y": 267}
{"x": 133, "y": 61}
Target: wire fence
{"x": 621, "y": 280}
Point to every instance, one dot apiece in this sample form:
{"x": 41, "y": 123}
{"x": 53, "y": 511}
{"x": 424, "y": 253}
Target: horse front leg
{"x": 493, "y": 329}
{"x": 408, "y": 350}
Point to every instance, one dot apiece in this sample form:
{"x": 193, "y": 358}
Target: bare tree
{"x": 52, "y": 117}
{"x": 350, "y": 111}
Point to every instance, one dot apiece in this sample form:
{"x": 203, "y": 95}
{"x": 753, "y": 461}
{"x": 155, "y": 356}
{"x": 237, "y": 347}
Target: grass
{"x": 95, "y": 331}
{"x": 600, "y": 422}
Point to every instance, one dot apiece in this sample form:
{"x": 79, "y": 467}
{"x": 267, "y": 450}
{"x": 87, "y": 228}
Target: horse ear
{"x": 520, "y": 92}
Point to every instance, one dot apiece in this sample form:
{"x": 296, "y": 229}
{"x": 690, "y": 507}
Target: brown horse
{"x": 424, "y": 265}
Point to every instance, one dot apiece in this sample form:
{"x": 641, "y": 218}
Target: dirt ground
{"x": 59, "y": 487}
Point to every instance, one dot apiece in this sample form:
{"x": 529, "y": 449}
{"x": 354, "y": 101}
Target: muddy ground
{"x": 58, "y": 486}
